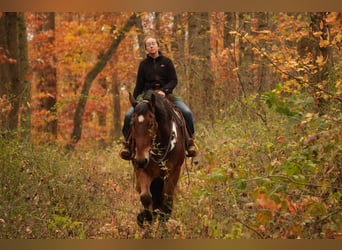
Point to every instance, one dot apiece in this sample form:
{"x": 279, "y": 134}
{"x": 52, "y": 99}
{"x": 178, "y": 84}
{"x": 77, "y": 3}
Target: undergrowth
{"x": 257, "y": 176}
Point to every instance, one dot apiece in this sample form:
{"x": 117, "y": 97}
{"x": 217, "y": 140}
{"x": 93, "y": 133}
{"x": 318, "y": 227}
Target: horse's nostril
{"x": 141, "y": 163}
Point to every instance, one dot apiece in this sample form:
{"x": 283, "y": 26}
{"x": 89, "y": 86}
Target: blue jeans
{"x": 179, "y": 103}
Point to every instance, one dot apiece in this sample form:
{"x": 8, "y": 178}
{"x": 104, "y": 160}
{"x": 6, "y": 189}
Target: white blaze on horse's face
{"x": 141, "y": 118}
{"x": 144, "y": 135}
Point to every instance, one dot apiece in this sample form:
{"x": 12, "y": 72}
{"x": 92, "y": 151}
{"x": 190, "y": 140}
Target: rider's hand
{"x": 162, "y": 93}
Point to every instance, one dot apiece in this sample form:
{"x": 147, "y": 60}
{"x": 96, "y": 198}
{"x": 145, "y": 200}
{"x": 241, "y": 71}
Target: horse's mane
{"x": 142, "y": 108}
{"x": 163, "y": 107}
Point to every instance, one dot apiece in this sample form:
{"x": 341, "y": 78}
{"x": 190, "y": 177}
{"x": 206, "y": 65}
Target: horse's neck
{"x": 164, "y": 129}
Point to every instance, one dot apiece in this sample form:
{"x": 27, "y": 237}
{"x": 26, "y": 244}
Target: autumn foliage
{"x": 265, "y": 89}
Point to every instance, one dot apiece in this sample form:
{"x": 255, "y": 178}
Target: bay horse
{"x": 158, "y": 147}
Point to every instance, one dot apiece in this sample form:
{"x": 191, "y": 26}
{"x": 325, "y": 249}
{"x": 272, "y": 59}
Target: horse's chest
{"x": 173, "y": 136}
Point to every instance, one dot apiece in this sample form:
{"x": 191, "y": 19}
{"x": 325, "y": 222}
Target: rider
{"x": 157, "y": 72}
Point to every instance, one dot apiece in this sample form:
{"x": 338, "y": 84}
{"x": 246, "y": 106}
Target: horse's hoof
{"x": 143, "y": 216}
{"x": 162, "y": 216}
{"x": 140, "y": 220}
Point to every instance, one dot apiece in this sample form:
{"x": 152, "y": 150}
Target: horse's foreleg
{"x": 143, "y": 188}
{"x": 168, "y": 193}
{"x": 167, "y": 206}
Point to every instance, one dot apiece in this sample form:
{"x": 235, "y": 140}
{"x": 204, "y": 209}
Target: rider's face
{"x": 151, "y": 46}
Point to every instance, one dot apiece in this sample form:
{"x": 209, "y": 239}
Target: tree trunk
{"x": 319, "y": 26}
{"x": 245, "y": 55}
{"x": 77, "y": 131}
{"x": 13, "y": 85}
{"x": 199, "y": 65}
{"x": 178, "y": 46}
{"x": 102, "y": 122}
{"x": 157, "y": 16}
{"x": 116, "y": 132}
{"x": 5, "y": 76}
{"x": 14, "y": 88}
{"x": 25, "y": 119}
{"x": 262, "y": 81}
{"x": 140, "y": 31}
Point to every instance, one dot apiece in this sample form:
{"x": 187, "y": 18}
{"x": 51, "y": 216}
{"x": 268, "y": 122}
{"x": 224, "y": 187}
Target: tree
{"x": 245, "y": 54}
{"x": 200, "y": 76}
{"x": 179, "y": 48}
{"x": 77, "y": 131}
{"x": 116, "y": 132}
{"x": 322, "y": 53}
{"x": 13, "y": 67}
{"x": 140, "y": 34}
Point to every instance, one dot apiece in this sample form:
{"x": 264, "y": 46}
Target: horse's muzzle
{"x": 140, "y": 162}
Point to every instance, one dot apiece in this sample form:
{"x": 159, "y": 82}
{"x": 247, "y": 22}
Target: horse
{"x": 158, "y": 152}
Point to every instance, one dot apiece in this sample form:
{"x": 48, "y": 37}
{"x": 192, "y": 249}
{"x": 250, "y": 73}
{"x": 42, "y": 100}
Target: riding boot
{"x": 192, "y": 149}
{"x": 126, "y": 153}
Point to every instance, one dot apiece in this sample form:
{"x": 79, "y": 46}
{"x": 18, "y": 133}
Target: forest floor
{"x": 254, "y": 178}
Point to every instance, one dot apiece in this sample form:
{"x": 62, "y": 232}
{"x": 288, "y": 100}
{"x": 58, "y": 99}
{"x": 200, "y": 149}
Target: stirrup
{"x": 192, "y": 149}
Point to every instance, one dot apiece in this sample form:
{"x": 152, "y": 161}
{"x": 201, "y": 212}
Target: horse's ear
{"x": 132, "y": 100}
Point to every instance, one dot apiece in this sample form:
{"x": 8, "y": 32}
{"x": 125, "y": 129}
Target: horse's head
{"x": 144, "y": 130}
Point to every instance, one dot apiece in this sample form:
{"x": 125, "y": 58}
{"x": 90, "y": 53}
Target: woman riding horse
{"x": 158, "y": 142}
{"x": 157, "y": 72}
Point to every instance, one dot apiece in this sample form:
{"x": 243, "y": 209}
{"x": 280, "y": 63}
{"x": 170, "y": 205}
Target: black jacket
{"x": 158, "y": 73}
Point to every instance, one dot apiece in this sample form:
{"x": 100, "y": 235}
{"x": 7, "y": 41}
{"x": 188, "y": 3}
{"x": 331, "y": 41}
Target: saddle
{"x": 179, "y": 119}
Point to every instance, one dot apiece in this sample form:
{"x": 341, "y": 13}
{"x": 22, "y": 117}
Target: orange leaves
{"x": 317, "y": 34}
{"x": 12, "y": 61}
{"x": 278, "y": 203}
{"x": 113, "y": 187}
{"x": 281, "y": 139}
{"x": 308, "y": 203}
{"x": 263, "y": 217}
{"x": 4, "y": 57}
{"x": 69, "y": 38}
{"x": 334, "y": 18}
{"x": 265, "y": 202}
{"x": 323, "y": 43}
{"x": 5, "y": 106}
{"x": 43, "y": 95}
{"x": 338, "y": 87}
{"x": 291, "y": 86}
{"x": 287, "y": 212}
{"x": 337, "y": 40}
{"x": 320, "y": 59}
{"x": 292, "y": 207}
{"x": 254, "y": 66}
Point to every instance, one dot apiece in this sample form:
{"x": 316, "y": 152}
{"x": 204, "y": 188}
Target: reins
{"x": 167, "y": 149}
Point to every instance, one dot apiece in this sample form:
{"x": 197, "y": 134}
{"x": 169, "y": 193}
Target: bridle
{"x": 159, "y": 158}
{"x": 158, "y": 154}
